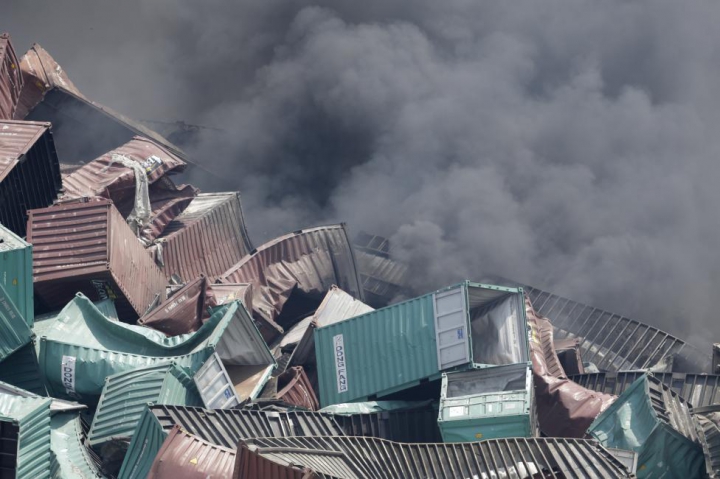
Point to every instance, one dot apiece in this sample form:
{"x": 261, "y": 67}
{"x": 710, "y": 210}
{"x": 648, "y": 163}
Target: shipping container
{"x": 11, "y": 80}
{"x": 613, "y": 342}
{"x": 126, "y": 395}
{"x": 181, "y": 313}
{"x": 249, "y": 464}
{"x": 86, "y": 246}
{"x": 384, "y": 279}
{"x": 655, "y": 422}
{"x": 29, "y": 171}
{"x": 402, "y": 345}
{"x": 57, "y": 405}
{"x": 84, "y": 347}
{"x": 488, "y": 403}
{"x": 25, "y": 437}
{"x": 219, "y": 294}
{"x": 409, "y": 423}
{"x": 15, "y": 331}
{"x": 16, "y": 271}
{"x": 184, "y": 456}
{"x": 371, "y": 458}
{"x": 292, "y": 387}
{"x": 207, "y": 238}
{"x": 72, "y": 459}
{"x": 698, "y": 389}
{"x": 21, "y": 369}
{"x": 226, "y": 386}
{"x": 221, "y": 427}
{"x": 291, "y": 274}
{"x": 708, "y": 429}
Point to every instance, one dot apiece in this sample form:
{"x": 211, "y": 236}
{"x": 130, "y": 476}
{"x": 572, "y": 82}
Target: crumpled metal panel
{"x": 357, "y": 457}
{"x": 417, "y": 424}
{"x": 184, "y": 456}
{"x": 565, "y": 409}
{"x": 11, "y": 80}
{"x": 384, "y": 280}
{"x": 293, "y": 387}
{"x": 308, "y": 261}
{"x": 570, "y": 355}
{"x": 708, "y": 428}
{"x": 72, "y": 459}
{"x": 21, "y": 370}
{"x": 16, "y": 274}
{"x": 57, "y": 405}
{"x": 15, "y": 331}
{"x": 700, "y": 390}
{"x": 126, "y": 395}
{"x": 29, "y": 171}
{"x": 208, "y": 237}
{"x": 250, "y": 464}
{"x": 86, "y": 246}
{"x": 610, "y": 341}
{"x": 25, "y": 427}
{"x": 182, "y": 313}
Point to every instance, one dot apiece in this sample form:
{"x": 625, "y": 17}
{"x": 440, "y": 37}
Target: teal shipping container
{"x": 489, "y": 403}
{"x": 14, "y": 331}
{"x": 655, "y": 422}
{"x": 16, "y": 274}
{"x": 25, "y": 437}
{"x": 394, "y": 348}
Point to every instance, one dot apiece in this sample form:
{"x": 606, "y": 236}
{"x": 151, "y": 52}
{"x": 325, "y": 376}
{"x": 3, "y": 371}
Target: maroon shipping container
{"x": 207, "y": 238}
{"x": 184, "y": 456}
{"x": 29, "y": 171}
{"x": 251, "y": 465}
{"x": 86, "y": 246}
{"x": 293, "y": 387}
{"x": 11, "y": 80}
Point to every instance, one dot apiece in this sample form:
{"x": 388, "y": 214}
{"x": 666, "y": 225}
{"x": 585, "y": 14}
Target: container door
{"x": 214, "y": 384}
{"x": 451, "y": 328}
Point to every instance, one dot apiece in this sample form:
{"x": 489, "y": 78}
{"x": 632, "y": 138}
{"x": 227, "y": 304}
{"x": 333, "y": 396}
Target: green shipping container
{"x": 655, "y": 422}
{"x": 490, "y": 403}
{"x": 71, "y": 458}
{"x": 460, "y": 327}
{"x": 16, "y": 273}
{"x": 14, "y": 331}
{"x": 25, "y": 437}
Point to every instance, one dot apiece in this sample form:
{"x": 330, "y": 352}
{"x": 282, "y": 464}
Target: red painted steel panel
{"x": 11, "y": 80}
{"x": 294, "y": 388}
{"x": 250, "y": 465}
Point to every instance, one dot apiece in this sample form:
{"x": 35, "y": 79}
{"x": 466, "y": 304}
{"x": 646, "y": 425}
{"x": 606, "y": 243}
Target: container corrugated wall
{"x": 126, "y": 395}
{"x": 147, "y": 441}
{"x": 11, "y": 80}
{"x": 31, "y": 417}
{"x": 16, "y": 274}
{"x": 207, "y": 238}
{"x": 87, "y": 247}
{"x": 21, "y": 369}
{"x": 71, "y": 457}
{"x": 15, "y": 333}
{"x": 390, "y": 366}
{"x": 250, "y": 464}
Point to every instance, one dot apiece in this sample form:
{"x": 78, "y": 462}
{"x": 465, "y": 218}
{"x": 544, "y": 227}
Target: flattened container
{"x": 250, "y": 464}
{"x": 16, "y": 272}
{"x": 184, "y": 456}
{"x": 14, "y": 331}
{"x": 208, "y": 237}
{"x": 87, "y": 247}
{"x": 293, "y": 272}
{"x": 25, "y": 437}
{"x": 223, "y": 387}
{"x": 655, "y": 422}
{"x": 371, "y": 458}
{"x": 72, "y": 459}
{"x": 222, "y": 427}
{"x": 126, "y": 395}
{"x": 397, "y": 347}
{"x": 11, "y": 80}
{"x": 488, "y": 403}
{"x": 29, "y": 171}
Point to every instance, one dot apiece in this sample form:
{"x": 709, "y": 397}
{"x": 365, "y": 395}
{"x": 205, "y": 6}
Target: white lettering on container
{"x": 68, "y": 374}
{"x": 340, "y": 367}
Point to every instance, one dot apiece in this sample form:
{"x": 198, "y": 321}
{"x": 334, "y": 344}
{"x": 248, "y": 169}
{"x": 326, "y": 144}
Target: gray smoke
{"x": 571, "y": 144}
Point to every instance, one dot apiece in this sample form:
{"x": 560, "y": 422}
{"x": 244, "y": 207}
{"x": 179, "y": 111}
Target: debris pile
{"x": 143, "y": 335}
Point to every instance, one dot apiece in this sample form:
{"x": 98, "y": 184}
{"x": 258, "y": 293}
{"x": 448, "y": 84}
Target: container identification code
{"x": 340, "y": 368}
{"x": 68, "y": 374}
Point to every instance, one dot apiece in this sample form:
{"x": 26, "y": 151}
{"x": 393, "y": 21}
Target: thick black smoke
{"x": 571, "y": 144}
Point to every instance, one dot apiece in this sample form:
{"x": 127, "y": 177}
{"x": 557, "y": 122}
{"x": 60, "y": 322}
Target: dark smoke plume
{"x": 571, "y": 144}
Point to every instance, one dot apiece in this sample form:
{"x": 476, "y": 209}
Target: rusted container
{"x": 29, "y": 171}
{"x": 207, "y": 238}
{"x": 11, "y": 80}
{"x": 184, "y": 456}
{"x": 304, "y": 264}
{"x": 293, "y": 387}
{"x": 249, "y": 464}
{"x": 86, "y": 246}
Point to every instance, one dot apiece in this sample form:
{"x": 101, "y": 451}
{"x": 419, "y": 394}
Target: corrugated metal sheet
{"x": 354, "y": 457}
{"x": 222, "y": 427}
{"x": 708, "y": 428}
{"x": 411, "y": 425}
{"x": 72, "y": 458}
{"x": 396, "y": 347}
{"x": 182, "y": 313}
{"x": 126, "y": 395}
{"x": 219, "y": 294}
{"x": 16, "y": 274}
{"x": 25, "y": 434}
{"x": 207, "y": 238}
{"x": 610, "y": 341}
{"x": 184, "y": 456}
{"x": 307, "y": 262}
{"x": 21, "y": 369}
{"x": 656, "y": 423}
{"x": 98, "y": 347}
{"x": 29, "y": 171}
{"x": 249, "y": 464}
{"x": 15, "y": 331}
{"x": 11, "y": 80}
{"x": 58, "y": 405}
{"x": 565, "y": 409}
{"x": 87, "y": 247}
{"x": 384, "y": 280}
{"x": 698, "y": 389}
{"x": 293, "y": 387}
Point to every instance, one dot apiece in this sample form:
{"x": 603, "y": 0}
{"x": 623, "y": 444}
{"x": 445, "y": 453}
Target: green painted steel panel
{"x": 71, "y": 458}
{"x": 16, "y": 274}
{"x": 632, "y": 422}
{"x": 32, "y": 417}
{"x": 394, "y": 348}
{"x": 15, "y": 331}
{"x": 141, "y": 455}
{"x": 21, "y": 369}
{"x": 126, "y": 395}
